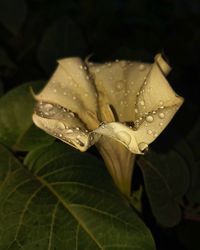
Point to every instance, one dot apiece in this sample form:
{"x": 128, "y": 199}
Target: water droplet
{"x": 60, "y": 135}
{"x": 119, "y": 86}
{"x": 142, "y": 103}
{"x": 136, "y": 110}
{"x": 161, "y": 115}
{"x": 149, "y": 118}
{"x": 54, "y": 90}
{"x": 141, "y": 67}
{"x": 142, "y": 146}
{"x": 122, "y": 64}
{"x": 160, "y": 123}
{"x": 60, "y": 125}
{"x": 81, "y": 67}
{"x": 124, "y": 137}
{"x": 77, "y": 128}
{"x": 48, "y": 106}
{"x": 71, "y": 115}
{"x": 155, "y": 135}
{"x": 80, "y": 143}
{"x": 149, "y": 132}
{"x": 74, "y": 97}
{"x": 69, "y": 131}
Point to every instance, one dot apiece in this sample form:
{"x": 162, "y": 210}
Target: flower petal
{"x": 63, "y": 124}
{"x": 118, "y": 84}
{"x": 71, "y": 88}
{"x": 156, "y": 104}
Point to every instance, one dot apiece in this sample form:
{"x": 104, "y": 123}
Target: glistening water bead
{"x": 149, "y": 118}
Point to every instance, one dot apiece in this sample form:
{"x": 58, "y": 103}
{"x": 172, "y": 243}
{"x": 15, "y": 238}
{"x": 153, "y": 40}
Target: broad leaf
{"x": 62, "y": 203}
{"x": 166, "y": 178}
{"x": 16, "y": 127}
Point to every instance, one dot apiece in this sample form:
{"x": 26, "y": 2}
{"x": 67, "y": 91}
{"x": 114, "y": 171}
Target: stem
{"x": 119, "y": 162}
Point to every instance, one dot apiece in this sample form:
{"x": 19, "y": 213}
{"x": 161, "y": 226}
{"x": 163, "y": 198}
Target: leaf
{"x": 7, "y": 164}
{"x": 13, "y": 14}
{"x": 188, "y": 153}
{"x": 62, "y": 39}
{"x": 166, "y": 178}
{"x": 16, "y": 128}
{"x": 62, "y": 203}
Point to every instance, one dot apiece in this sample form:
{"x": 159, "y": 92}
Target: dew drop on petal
{"x": 141, "y": 67}
{"x": 54, "y": 90}
{"x": 142, "y": 103}
{"x": 119, "y": 86}
{"x": 161, "y": 115}
{"x": 61, "y": 126}
{"x": 71, "y": 115}
{"x": 149, "y": 132}
{"x": 136, "y": 110}
{"x": 142, "y": 146}
{"x": 160, "y": 123}
{"x": 48, "y": 106}
{"x": 74, "y": 97}
{"x": 124, "y": 137}
{"x": 149, "y": 118}
{"x": 69, "y": 131}
{"x": 155, "y": 135}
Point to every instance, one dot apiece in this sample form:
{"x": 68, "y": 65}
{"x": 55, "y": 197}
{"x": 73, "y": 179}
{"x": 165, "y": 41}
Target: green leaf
{"x": 62, "y": 39}
{"x": 59, "y": 202}
{"x": 13, "y": 14}
{"x": 166, "y": 178}
{"x": 8, "y": 163}
{"x": 188, "y": 150}
{"x": 16, "y": 127}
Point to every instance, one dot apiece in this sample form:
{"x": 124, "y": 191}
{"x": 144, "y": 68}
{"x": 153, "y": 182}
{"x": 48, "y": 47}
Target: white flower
{"x": 121, "y": 106}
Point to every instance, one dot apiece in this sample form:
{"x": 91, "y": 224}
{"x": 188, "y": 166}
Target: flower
{"x": 120, "y": 106}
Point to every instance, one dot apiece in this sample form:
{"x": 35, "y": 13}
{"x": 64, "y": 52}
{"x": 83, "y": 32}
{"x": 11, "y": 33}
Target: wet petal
{"x": 71, "y": 87}
{"x": 118, "y": 84}
{"x": 156, "y": 103}
{"x": 63, "y": 124}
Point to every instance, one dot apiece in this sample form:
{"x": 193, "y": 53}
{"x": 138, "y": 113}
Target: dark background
{"x": 35, "y": 33}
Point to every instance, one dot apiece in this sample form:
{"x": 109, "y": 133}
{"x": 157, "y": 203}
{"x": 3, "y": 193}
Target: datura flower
{"x": 120, "y": 106}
